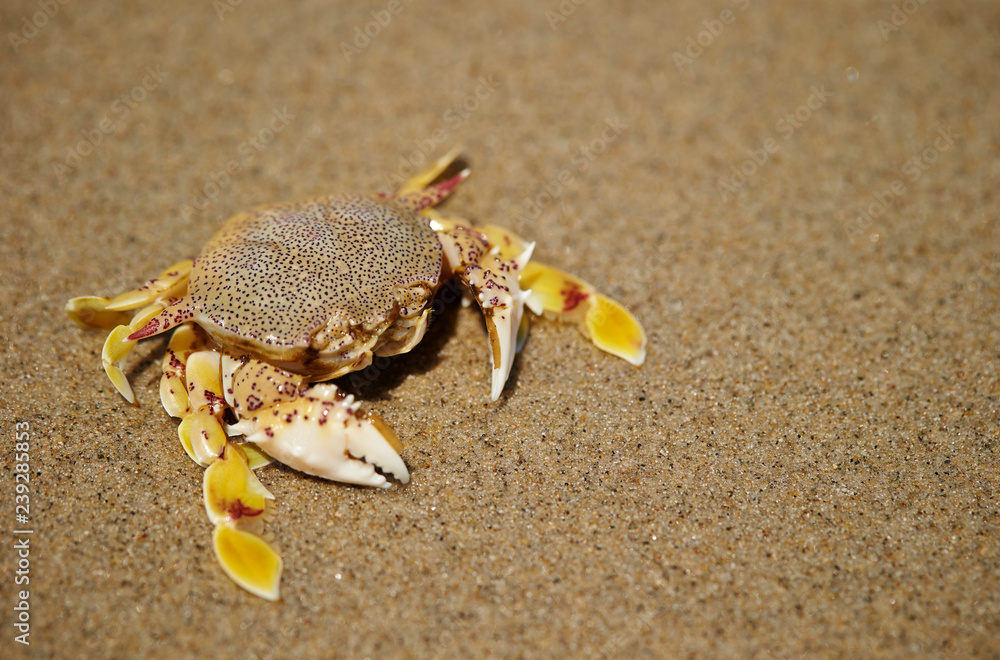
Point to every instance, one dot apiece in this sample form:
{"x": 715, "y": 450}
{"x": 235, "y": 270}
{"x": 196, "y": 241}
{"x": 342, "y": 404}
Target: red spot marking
{"x": 213, "y": 399}
{"x": 573, "y": 296}
{"x": 157, "y": 325}
{"x": 435, "y": 194}
{"x": 239, "y": 510}
{"x": 147, "y": 330}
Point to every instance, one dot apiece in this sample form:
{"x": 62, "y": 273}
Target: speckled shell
{"x": 320, "y": 275}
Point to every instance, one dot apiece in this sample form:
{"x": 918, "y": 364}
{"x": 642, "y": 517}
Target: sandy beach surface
{"x": 798, "y": 201}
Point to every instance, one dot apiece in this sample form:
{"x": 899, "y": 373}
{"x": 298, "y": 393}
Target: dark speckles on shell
{"x": 276, "y": 274}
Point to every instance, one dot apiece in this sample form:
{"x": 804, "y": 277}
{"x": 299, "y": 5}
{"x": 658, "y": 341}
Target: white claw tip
{"x": 499, "y": 380}
{"x": 523, "y": 259}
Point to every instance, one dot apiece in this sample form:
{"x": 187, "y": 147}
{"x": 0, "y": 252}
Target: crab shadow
{"x": 146, "y": 360}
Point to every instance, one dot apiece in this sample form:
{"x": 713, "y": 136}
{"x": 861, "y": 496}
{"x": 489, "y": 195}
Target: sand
{"x": 798, "y": 201}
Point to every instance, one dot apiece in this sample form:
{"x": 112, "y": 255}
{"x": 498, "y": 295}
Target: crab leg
{"x": 608, "y": 324}
{"x": 119, "y": 344}
{"x": 174, "y": 395}
{"x": 494, "y": 282}
{"x": 235, "y": 500}
{"x": 487, "y": 258}
{"x": 153, "y": 296}
{"x": 173, "y": 384}
{"x": 492, "y": 277}
{"x": 418, "y": 182}
{"x": 106, "y": 313}
{"x": 237, "y": 503}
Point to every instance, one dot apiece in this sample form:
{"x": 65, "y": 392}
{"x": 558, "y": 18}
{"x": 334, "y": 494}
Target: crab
{"x": 285, "y": 298}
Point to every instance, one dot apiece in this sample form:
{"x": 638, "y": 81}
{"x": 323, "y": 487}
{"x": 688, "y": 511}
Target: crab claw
{"x": 320, "y": 433}
{"x": 503, "y": 319}
{"x": 312, "y": 428}
{"x": 503, "y": 330}
{"x": 608, "y": 324}
{"x": 492, "y": 277}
